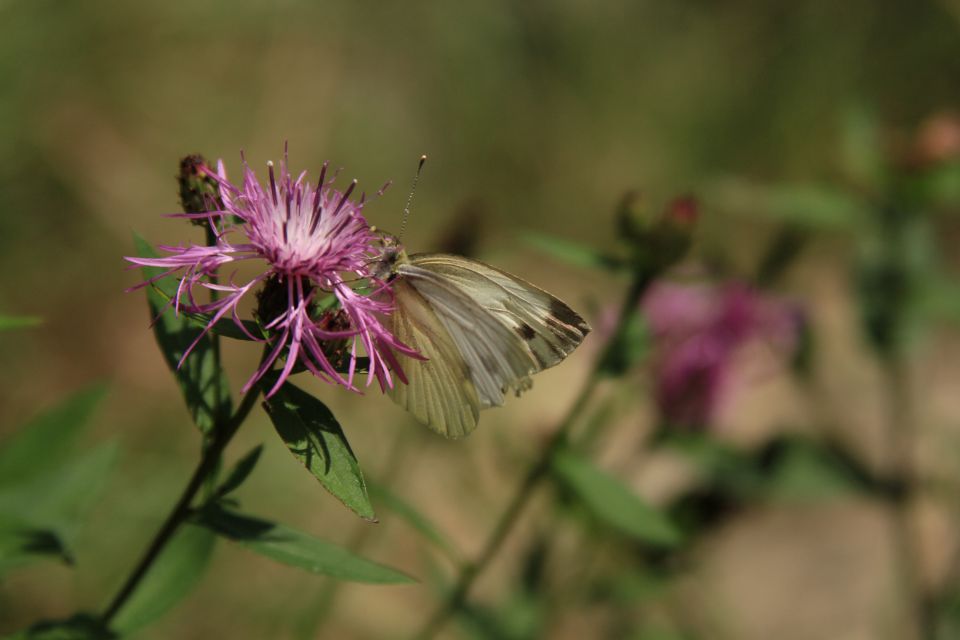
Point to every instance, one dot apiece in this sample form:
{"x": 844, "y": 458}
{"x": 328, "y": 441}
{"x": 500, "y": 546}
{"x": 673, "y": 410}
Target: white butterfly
{"x": 482, "y": 331}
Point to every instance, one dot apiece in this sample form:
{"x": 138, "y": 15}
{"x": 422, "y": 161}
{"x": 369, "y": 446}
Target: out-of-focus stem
{"x": 903, "y": 438}
{"x": 219, "y": 402}
{"x": 181, "y": 510}
{"x": 471, "y": 571}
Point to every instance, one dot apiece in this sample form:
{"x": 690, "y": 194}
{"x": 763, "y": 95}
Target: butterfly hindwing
{"x": 438, "y": 391}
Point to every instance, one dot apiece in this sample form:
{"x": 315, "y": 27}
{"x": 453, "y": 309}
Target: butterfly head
{"x": 391, "y": 254}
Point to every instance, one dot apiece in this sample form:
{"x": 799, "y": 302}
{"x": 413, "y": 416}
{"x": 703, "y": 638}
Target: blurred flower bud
{"x": 630, "y": 225}
{"x": 683, "y": 212}
{"x": 198, "y": 191}
{"x": 660, "y": 242}
{"x": 938, "y": 139}
{"x": 672, "y": 234}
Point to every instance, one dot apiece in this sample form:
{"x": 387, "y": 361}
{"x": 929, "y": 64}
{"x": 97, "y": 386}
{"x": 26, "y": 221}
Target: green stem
{"x": 219, "y": 403}
{"x": 211, "y": 237}
{"x": 903, "y": 437}
{"x": 471, "y": 571}
{"x": 181, "y": 510}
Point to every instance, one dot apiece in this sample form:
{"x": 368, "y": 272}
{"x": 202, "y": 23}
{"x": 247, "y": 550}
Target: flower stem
{"x": 470, "y": 571}
{"x": 540, "y": 468}
{"x": 181, "y": 510}
{"x": 903, "y": 435}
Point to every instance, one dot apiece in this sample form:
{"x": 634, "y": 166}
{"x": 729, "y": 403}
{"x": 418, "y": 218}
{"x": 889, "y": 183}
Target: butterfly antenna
{"x": 413, "y": 189}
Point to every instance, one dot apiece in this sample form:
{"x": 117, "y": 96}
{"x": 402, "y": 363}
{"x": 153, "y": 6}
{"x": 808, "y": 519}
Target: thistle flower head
{"x": 313, "y": 242}
{"x": 698, "y": 331}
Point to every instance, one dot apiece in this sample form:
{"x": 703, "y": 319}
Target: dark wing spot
{"x": 568, "y": 316}
{"x": 526, "y": 332}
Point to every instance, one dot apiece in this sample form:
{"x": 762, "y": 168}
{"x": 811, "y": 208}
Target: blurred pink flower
{"x": 697, "y": 331}
{"x": 313, "y": 240}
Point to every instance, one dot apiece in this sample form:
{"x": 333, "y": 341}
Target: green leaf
{"x": 48, "y": 439}
{"x": 225, "y": 327}
{"x": 806, "y": 206}
{"x": 203, "y": 383}
{"x": 18, "y": 322}
{"x": 171, "y": 578}
{"x": 862, "y": 153}
{"x": 612, "y": 502}
{"x": 571, "y": 252}
{"x": 415, "y": 519}
{"x": 938, "y": 298}
{"x": 83, "y": 626}
{"x": 315, "y": 438}
{"x": 45, "y": 486}
{"x": 23, "y": 544}
{"x": 713, "y": 456}
{"x": 241, "y": 470}
{"x": 807, "y": 472}
{"x": 941, "y": 185}
{"x": 298, "y": 549}
{"x": 58, "y": 498}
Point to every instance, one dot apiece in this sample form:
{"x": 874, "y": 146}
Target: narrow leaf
{"x": 172, "y": 577}
{"x": 571, "y": 252}
{"x": 82, "y": 626}
{"x": 315, "y": 438}
{"x": 22, "y": 544}
{"x": 203, "y": 383}
{"x": 56, "y": 499}
{"x": 298, "y": 549}
{"x": 806, "y": 470}
{"x": 241, "y": 470}
{"x": 225, "y": 327}
{"x": 807, "y": 206}
{"x": 614, "y": 503}
{"x": 45, "y": 441}
{"x": 18, "y": 322}
{"x": 862, "y": 153}
{"x": 415, "y": 519}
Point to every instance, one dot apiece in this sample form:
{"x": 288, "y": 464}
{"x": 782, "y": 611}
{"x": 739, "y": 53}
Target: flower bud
{"x": 198, "y": 191}
{"x": 669, "y": 238}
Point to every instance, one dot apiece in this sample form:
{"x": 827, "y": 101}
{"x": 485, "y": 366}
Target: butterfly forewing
{"x": 494, "y": 357}
{"x": 548, "y": 328}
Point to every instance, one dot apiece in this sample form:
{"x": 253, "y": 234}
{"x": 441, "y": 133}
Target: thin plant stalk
{"x": 902, "y": 435}
{"x": 471, "y": 571}
{"x": 208, "y": 464}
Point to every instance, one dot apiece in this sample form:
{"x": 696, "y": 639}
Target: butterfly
{"x": 482, "y": 331}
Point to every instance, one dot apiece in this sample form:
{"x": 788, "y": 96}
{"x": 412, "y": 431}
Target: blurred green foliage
{"x": 537, "y": 117}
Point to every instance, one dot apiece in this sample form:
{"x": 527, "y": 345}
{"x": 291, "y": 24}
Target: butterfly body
{"x": 482, "y": 331}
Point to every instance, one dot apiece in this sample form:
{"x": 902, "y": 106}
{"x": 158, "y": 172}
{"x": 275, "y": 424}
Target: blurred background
{"x": 831, "y": 128}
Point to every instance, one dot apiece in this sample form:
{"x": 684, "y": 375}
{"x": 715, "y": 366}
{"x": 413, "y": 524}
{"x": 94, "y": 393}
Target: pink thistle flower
{"x": 313, "y": 240}
{"x": 698, "y": 331}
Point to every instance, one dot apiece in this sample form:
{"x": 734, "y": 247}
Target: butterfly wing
{"x": 438, "y": 392}
{"x": 548, "y": 328}
{"x": 501, "y": 330}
